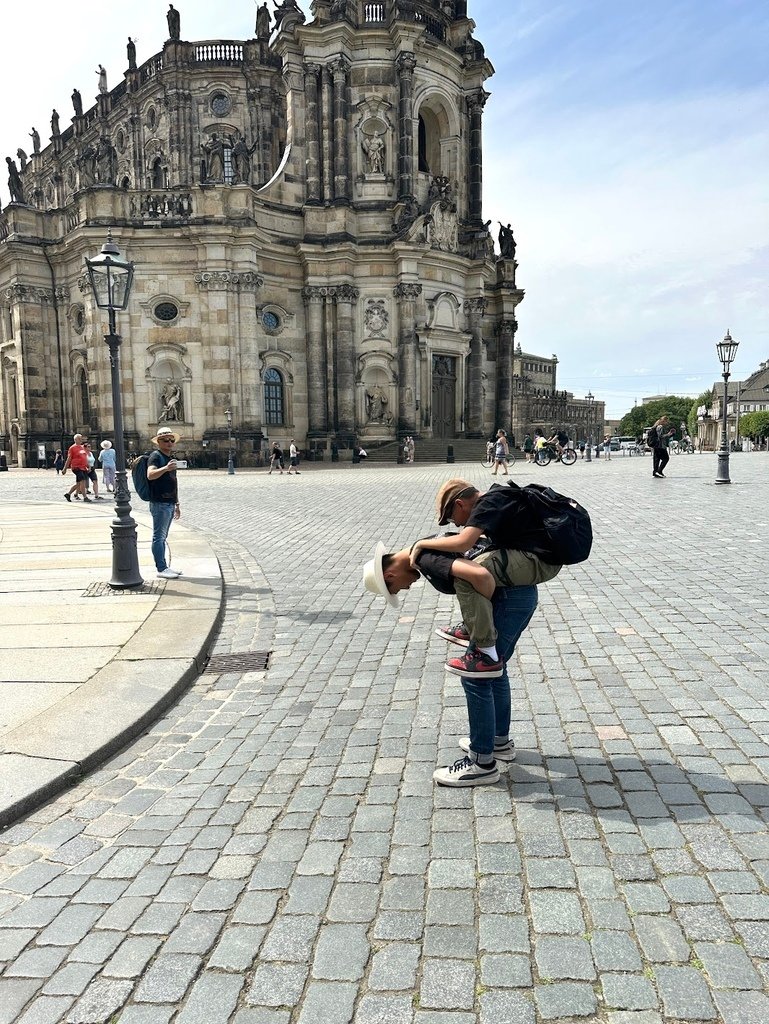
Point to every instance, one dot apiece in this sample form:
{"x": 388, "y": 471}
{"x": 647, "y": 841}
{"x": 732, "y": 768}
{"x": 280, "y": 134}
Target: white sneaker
{"x": 465, "y": 772}
{"x": 168, "y": 574}
{"x": 506, "y": 753}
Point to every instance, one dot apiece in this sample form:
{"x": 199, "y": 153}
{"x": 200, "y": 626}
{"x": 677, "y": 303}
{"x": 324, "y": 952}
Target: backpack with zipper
{"x": 139, "y": 476}
{"x": 565, "y": 522}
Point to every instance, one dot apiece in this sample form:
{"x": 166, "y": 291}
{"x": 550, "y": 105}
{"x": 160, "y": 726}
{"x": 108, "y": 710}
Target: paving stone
{"x": 384, "y": 1009}
{"x": 742, "y": 1007}
{"x": 101, "y": 1000}
{"x": 328, "y": 1001}
{"x": 565, "y": 999}
{"x": 212, "y": 999}
{"x": 615, "y": 951}
{"x": 341, "y": 954}
{"x": 505, "y": 970}
{"x": 15, "y": 993}
{"x": 237, "y": 948}
{"x": 132, "y": 957}
{"x": 556, "y": 912}
{"x": 36, "y": 963}
{"x": 47, "y": 1010}
{"x": 277, "y": 984}
{"x": 506, "y": 1008}
{"x": 662, "y": 941}
{"x": 168, "y": 978}
{"x": 447, "y": 985}
{"x": 684, "y": 993}
{"x": 394, "y": 968}
{"x": 70, "y": 980}
{"x": 628, "y": 992}
{"x": 503, "y": 934}
{"x": 569, "y": 958}
{"x": 728, "y": 966}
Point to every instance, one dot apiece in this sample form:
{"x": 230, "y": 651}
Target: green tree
{"x": 642, "y": 416}
{"x": 754, "y": 424}
{"x": 703, "y": 399}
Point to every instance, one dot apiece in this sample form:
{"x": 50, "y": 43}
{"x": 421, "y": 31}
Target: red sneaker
{"x": 455, "y": 634}
{"x": 475, "y": 665}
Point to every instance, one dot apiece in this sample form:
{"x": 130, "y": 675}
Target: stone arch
{"x": 437, "y": 134}
{"x": 277, "y": 380}
{"x": 81, "y": 399}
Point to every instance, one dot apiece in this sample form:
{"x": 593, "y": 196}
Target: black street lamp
{"x": 589, "y": 398}
{"x": 111, "y": 277}
{"x": 230, "y": 462}
{"x": 727, "y": 350}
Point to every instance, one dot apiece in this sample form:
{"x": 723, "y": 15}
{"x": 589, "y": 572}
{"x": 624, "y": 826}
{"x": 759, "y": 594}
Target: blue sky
{"x": 627, "y": 144}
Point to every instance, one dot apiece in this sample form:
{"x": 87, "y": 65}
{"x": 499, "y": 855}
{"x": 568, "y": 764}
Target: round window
{"x": 270, "y": 321}
{"x": 220, "y": 104}
{"x": 166, "y": 311}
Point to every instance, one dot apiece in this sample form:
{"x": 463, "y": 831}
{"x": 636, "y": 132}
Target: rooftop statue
{"x": 77, "y": 102}
{"x": 131, "y": 54}
{"x": 35, "y": 136}
{"x": 174, "y": 23}
{"x": 102, "y": 81}
{"x": 15, "y": 186}
{"x": 263, "y": 22}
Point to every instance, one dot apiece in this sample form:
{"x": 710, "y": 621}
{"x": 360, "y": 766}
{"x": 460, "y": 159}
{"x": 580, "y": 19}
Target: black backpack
{"x": 564, "y": 520}
{"x": 139, "y": 476}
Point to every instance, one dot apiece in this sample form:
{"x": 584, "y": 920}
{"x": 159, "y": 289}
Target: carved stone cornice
{"x": 315, "y": 293}
{"x": 407, "y": 292}
{"x": 29, "y": 294}
{"x": 506, "y": 326}
{"x": 406, "y": 64}
{"x": 476, "y": 306}
{"x": 347, "y": 293}
{"x": 228, "y": 281}
{"x": 340, "y": 292}
{"x": 84, "y": 285}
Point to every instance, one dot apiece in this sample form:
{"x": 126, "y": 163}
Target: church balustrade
{"x": 374, "y": 13}
{"x": 220, "y": 53}
{"x": 150, "y": 68}
{"x": 161, "y": 205}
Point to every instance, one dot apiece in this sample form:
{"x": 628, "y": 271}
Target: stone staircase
{"x": 433, "y": 451}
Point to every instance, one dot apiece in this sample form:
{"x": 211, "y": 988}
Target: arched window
{"x": 82, "y": 399}
{"x": 274, "y": 398}
{"x": 423, "y": 164}
{"x": 229, "y": 170}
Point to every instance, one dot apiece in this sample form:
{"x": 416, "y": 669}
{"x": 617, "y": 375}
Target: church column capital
{"x": 406, "y": 64}
{"x": 407, "y": 292}
{"x": 506, "y": 326}
{"x": 475, "y": 307}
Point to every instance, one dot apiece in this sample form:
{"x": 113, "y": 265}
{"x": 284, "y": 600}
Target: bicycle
{"x": 547, "y": 454}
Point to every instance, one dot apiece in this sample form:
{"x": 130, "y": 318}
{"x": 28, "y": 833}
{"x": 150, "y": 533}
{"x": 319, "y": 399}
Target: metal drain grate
{"x": 244, "y": 661}
{"x": 155, "y": 588}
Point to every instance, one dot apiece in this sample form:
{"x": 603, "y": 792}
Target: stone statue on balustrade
{"x": 35, "y": 136}
{"x": 263, "y": 23}
{"x": 131, "y": 54}
{"x": 55, "y": 123}
{"x": 21, "y": 156}
{"x": 506, "y": 242}
{"x": 101, "y": 72}
{"x": 174, "y": 23}
{"x": 241, "y": 159}
{"x": 171, "y": 404}
{"x": 15, "y": 186}
{"x": 77, "y": 103}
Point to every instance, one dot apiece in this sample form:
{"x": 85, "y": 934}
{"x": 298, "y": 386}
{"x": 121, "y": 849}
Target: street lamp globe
{"x": 111, "y": 277}
{"x": 727, "y": 351}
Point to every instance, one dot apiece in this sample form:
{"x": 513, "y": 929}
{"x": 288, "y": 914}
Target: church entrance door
{"x": 444, "y": 396}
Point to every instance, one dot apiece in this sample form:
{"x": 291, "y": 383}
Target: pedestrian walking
{"x": 501, "y": 453}
{"x": 107, "y": 461}
{"x": 528, "y": 447}
{"x": 77, "y": 461}
{"x": 607, "y": 446}
{"x": 490, "y": 452}
{"x": 164, "y": 498}
{"x": 58, "y": 461}
{"x": 293, "y": 459}
{"x": 658, "y": 440}
{"x": 93, "y": 478}
{"x": 582, "y": 449}
{"x": 276, "y": 458}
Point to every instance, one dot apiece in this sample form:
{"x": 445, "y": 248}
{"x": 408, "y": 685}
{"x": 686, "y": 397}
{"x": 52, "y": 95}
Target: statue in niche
{"x": 101, "y": 72}
{"x": 171, "y": 403}
{"x": 506, "y": 242}
{"x": 376, "y": 403}
{"x": 15, "y": 186}
{"x": 105, "y": 161}
{"x": 263, "y": 22}
{"x": 77, "y": 103}
{"x": 35, "y": 136}
{"x": 241, "y": 159}
{"x": 174, "y": 23}
{"x": 374, "y": 148}
{"x": 214, "y": 150}
{"x": 131, "y": 54}
{"x": 87, "y": 164}
{"x": 55, "y": 123}
{"x": 21, "y": 156}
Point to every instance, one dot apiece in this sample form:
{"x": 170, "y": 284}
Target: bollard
{"x": 355, "y": 457}
{"x": 450, "y": 453}
{"x": 3, "y": 463}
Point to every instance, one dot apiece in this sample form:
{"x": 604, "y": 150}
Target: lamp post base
{"x": 589, "y": 450}
{"x": 722, "y": 476}
{"x": 125, "y": 561}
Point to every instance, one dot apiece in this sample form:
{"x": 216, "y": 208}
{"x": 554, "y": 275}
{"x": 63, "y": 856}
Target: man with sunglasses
{"x": 164, "y": 498}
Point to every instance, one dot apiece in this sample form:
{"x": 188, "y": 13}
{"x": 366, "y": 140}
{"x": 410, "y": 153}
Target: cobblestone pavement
{"x": 273, "y": 851}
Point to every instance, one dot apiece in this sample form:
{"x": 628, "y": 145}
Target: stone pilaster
{"x": 327, "y": 135}
{"x": 474, "y": 311}
{"x": 505, "y": 331}
{"x": 340, "y": 70}
{"x": 311, "y": 72}
{"x": 317, "y": 383}
{"x": 346, "y": 297}
{"x": 405, "y": 65}
{"x": 406, "y": 296}
{"x": 475, "y": 105}
{"x": 35, "y": 319}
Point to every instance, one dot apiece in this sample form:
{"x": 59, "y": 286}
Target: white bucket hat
{"x": 373, "y": 577}
{"x": 106, "y": 444}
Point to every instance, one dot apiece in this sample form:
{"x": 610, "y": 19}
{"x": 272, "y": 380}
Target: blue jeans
{"x": 162, "y": 513}
{"x": 488, "y": 700}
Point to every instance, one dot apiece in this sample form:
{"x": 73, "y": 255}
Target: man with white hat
{"x": 107, "y": 460}
{"x": 164, "y": 498}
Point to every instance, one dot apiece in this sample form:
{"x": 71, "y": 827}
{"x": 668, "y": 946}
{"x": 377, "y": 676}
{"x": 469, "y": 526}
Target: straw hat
{"x": 166, "y": 432}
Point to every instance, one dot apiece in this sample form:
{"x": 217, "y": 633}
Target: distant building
{"x": 743, "y": 396}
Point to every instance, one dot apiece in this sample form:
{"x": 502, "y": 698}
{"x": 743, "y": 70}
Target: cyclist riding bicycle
{"x": 560, "y": 439}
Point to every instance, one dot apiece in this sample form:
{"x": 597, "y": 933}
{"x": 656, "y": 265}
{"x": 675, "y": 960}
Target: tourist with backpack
{"x": 658, "y": 440}
{"x": 154, "y": 477}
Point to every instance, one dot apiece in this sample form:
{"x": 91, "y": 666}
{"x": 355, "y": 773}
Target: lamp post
{"x": 111, "y": 277}
{"x": 230, "y": 462}
{"x": 589, "y": 398}
{"x": 727, "y": 350}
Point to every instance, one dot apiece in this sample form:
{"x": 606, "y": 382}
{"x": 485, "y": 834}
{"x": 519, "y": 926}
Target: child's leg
{"x": 476, "y": 575}
{"x": 517, "y": 568}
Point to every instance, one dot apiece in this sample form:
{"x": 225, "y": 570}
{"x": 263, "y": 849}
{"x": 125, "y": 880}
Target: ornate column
{"x": 405, "y": 65}
{"x": 311, "y": 72}
{"x": 505, "y": 331}
{"x": 406, "y": 296}
{"x": 328, "y": 160}
{"x": 474, "y": 310}
{"x": 340, "y": 70}
{"x": 317, "y": 385}
{"x": 346, "y": 297}
{"x": 475, "y": 105}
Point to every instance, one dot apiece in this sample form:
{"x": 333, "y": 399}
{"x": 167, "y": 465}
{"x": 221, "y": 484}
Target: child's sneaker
{"x": 465, "y": 772}
{"x": 455, "y": 634}
{"x": 503, "y": 753}
{"x": 475, "y": 665}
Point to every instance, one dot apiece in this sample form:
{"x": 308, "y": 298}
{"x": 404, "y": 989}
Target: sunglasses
{"x": 462, "y": 494}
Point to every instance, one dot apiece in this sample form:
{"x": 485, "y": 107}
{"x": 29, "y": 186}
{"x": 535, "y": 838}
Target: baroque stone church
{"x": 304, "y": 212}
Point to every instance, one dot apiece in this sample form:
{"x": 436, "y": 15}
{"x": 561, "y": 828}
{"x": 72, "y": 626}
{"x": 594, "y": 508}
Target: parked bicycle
{"x": 549, "y": 453}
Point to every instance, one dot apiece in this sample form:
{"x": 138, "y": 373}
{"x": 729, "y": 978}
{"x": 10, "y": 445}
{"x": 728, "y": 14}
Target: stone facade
{"x": 304, "y": 211}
